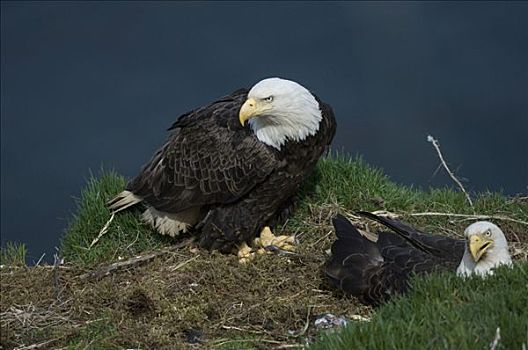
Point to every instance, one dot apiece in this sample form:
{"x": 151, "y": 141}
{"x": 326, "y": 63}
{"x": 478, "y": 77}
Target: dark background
{"x": 94, "y": 84}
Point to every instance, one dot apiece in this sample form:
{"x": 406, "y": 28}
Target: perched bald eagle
{"x": 227, "y": 179}
{"x": 373, "y": 271}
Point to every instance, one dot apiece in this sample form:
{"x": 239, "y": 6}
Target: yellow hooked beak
{"x": 249, "y": 109}
{"x": 478, "y": 244}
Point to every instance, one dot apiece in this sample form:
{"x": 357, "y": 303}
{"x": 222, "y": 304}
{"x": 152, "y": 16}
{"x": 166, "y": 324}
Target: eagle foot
{"x": 245, "y": 253}
{"x": 267, "y": 243}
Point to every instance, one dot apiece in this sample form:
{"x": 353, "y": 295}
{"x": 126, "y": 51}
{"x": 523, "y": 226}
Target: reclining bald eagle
{"x": 373, "y": 271}
{"x": 227, "y": 179}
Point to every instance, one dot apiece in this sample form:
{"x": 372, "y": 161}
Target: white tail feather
{"x": 171, "y": 224}
{"x": 122, "y": 201}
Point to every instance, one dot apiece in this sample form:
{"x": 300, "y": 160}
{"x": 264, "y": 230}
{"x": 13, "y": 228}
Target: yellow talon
{"x": 245, "y": 253}
{"x": 267, "y": 239}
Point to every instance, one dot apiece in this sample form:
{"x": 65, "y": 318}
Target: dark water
{"x": 91, "y": 84}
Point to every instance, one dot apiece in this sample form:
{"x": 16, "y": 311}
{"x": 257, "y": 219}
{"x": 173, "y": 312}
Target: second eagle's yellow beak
{"x": 248, "y": 110}
{"x": 478, "y": 244}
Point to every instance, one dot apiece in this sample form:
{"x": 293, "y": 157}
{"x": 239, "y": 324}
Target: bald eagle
{"x": 373, "y": 271}
{"x": 232, "y": 167}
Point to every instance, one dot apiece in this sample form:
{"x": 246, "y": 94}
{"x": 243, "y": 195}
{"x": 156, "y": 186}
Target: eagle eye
{"x": 488, "y": 233}
{"x": 268, "y": 99}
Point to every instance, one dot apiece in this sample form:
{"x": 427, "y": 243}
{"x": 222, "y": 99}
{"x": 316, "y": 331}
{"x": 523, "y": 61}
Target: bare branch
{"x": 472, "y": 216}
{"x": 436, "y": 145}
{"x": 43, "y": 344}
{"x": 104, "y": 271}
{"x": 56, "y": 281}
{"x": 103, "y": 231}
{"x": 392, "y": 215}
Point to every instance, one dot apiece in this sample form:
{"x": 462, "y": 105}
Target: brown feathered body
{"x": 374, "y": 271}
{"x": 215, "y": 178}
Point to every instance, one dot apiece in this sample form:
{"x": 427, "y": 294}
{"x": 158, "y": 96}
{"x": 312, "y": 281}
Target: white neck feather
{"x": 276, "y": 130}
{"x": 494, "y": 257}
{"x": 293, "y": 114}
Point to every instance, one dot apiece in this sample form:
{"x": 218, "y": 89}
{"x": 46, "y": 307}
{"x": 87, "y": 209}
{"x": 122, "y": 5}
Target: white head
{"x": 486, "y": 248}
{"x": 280, "y": 110}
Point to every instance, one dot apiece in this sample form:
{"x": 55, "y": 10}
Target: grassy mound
{"x": 446, "y": 312}
{"x": 181, "y": 296}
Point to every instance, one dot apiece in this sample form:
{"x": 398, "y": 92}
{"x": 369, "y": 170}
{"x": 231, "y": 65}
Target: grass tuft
{"x": 128, "y": 235}
{"x": 13, "y": 254}
{"x": 444, "y": 311}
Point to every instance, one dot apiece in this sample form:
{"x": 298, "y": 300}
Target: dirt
{"x": 187, "y": 298}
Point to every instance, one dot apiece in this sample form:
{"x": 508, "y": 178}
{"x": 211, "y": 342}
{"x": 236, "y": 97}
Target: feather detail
{"x": 122, "y": 201}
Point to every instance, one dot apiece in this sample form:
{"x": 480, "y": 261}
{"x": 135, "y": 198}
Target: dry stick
{"x": 104, "y": 271}
{"x": 56, "y": 286}
{"x": 307, "y": 324}
{"x": 39, "y": 260}
{"x": 103, "y": 231}
{"x": 471, "y": 216}
{"x": 243, "y": 330}
{"x": 182, "y": 264}
{"x": 496, "y": 340}
{"x": 437, "y": 147}
{"x": 221, "y": 342}
{"x": 37, "y": 345}
{"x": 290, "y": 346}
{"x": 392, "y": 215}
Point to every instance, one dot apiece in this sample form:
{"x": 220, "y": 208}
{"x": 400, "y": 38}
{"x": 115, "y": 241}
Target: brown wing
{"x": 443, "y": 247}
{"x": 210, "y": 158}
{"x": 375, "y": 271}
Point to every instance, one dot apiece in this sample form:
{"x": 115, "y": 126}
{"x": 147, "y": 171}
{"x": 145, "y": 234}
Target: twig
{"x": 496, "y": 340}
{"x": 242, "y": 329}
{"x": 221, "y": 342}
{"x": 103, "y": 231}
{"x": 436, "y": 145}
{"x": 392, "y": 215}
{"x": 104, "y": 271}
{"x": 37, "y": 345}
{"x": 56, "y": 264}
{"x": 40, "y": 259}
{"x": 472, "y": 216}
{"x": 133, "y": 242}
{"x": 233, "y": 327}
{"x": 183, "y": 263}
{"x": 306, "y": 325}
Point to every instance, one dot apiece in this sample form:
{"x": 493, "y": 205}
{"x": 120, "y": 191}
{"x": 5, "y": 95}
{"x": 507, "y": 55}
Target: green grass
{"x": 127, "y": 235}
{"x": 352, "y": 185}
{"x": 340, "y": 181}
{"x": 13, "y": 254}
{"x": 93, "y": 337}
{"x": 446, "y": 312}
{"x": 355, "y": 185}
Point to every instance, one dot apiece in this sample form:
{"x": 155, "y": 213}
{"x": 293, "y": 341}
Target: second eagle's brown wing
{"x": 443, "y": 247}
{"x": 374, "y": 272}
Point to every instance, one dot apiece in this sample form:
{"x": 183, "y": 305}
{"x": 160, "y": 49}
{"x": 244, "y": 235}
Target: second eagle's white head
{"x": 486, "y": 248}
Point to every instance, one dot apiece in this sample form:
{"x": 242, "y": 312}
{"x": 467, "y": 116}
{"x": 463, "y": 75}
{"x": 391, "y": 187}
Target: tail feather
{"x": 122, "y": 201}
{"x": 414, "y": 237}
{"x": 352, "y": 255}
